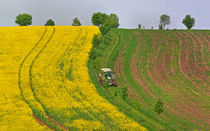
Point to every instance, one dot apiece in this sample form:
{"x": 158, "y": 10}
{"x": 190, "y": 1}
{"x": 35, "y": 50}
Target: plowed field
{"x": 170, "y": 65}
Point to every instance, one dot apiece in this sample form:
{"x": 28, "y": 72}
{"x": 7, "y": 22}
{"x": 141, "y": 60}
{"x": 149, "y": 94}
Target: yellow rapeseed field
{"x": 15, "y": 43}
{"x": 43, "y": 71}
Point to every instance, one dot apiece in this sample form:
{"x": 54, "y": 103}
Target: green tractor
{"x": 106, "y": 76}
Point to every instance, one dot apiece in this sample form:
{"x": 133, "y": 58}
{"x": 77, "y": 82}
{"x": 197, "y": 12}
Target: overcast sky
{"x": 130, "y": 12}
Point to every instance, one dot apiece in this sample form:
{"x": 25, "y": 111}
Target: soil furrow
{"x": 182, "y": 66}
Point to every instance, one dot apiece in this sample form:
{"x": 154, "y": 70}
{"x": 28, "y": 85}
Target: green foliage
{"x": 112, "y": 21}
{"x": 98, "y": 18}
{"x": 159, "y": 106}
{"x": 24, "y": 19}
{"x": 133, "y": 107}
{"x": 164, "y": 20}
{"x": 139, "y": 26}
{"x": 50, "y": 22}
{"x": 105, "y": 22}
{"x": 160, "y": 27}
{"x": 76, "y": 22}
{"x": 105, "y": 29}
{"x": 106, "y": 84}
{"x": 189, "y": 21}
{"x": 124, "y": 93}
{"x": 96, "y": 41}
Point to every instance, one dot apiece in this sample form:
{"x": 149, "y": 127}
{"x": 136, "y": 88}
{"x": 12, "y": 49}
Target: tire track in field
{"x": 25, "y": 86}
{"x": 20, "y": 82}
{"x": 31, "y": 84}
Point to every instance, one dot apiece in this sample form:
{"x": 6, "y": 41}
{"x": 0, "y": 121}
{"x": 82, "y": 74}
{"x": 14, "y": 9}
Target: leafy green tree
{"x": 105, "y": 29}
{"x": 24, "y": 19}
{"x": 112, "y": 20}
{"x": 189, "y": 21}
{"x": 105, "y": 22}
{"x": 98, "y": 18}
{"x": 164, "y": 20}
{"x": 76, "y": 22}
{"x": 139, "y": 26}
{"x": 50, "y": 22}
{"x": 159, "y": 106}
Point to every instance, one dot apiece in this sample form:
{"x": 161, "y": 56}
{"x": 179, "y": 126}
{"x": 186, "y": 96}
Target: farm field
{"x": 172, "y": 65}
{"x": 44, "y": 82}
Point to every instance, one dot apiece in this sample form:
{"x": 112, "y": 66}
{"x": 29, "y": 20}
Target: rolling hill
{"x": 171, "y": 65}
{"x": 45, "y": 85}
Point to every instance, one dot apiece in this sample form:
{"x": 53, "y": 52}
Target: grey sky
{"x": 130, "y": 12}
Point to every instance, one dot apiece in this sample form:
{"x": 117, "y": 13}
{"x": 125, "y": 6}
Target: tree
{"x": 76, "y": 22}
{"x": 24, "y": 19}
{"x": 139, "y": 26}
{"x": 164, "y": 20}
{"x": 159, "y": 106}
{"x": 189, "y": 21}
{"x": 112, "y": 20}
{"x": 50, "y": 22}
{"x": 104, "y": 29}
{"x": 105, "y": 22}
{"x": 98, "y": 18}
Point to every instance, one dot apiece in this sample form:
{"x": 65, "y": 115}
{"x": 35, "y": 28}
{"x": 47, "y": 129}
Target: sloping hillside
{"x": 44, "y": 82}
{"x": 169, "y": 65}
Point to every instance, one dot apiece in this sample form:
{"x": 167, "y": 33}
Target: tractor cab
{"x": 106, "y": 75}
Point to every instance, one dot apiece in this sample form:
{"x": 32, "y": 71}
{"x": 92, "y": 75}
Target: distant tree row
{"x": 188, "y": 21}
{"x": 105, "y": 22}
{"x": 26, "y": 19}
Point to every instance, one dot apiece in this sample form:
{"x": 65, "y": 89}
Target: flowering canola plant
{"x": 15, "y": 42}
{"x": 54, "y": 81}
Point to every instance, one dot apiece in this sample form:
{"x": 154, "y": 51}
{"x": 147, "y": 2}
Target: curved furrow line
{"x": 170, "y": 84}
{"x": 202, "y": 47}
{"x": 182, "y": 66}
{"x": 59, "y": 125}
{"x": 172, "y": 111}
{"x": 197, "y": 71}
{"x": 26, "y": 93}
{"x": 168, "y": 87}
{"x": 135, "y": 70}
{"x": 176, "y": 72}
{"x": 24, "y": 82}
{"x": 159, "y": 71}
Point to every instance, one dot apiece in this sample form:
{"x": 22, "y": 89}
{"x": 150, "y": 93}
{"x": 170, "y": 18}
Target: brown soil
{"x": 42, "y": 122}
{"x": 202, "y": 46}
{"x": 135, "y": 71}
{"x": 184, "y": 62}
{"x": 56, "y": 122}
{"x": 156, "y": 75}
{"x": 197, "y": 71}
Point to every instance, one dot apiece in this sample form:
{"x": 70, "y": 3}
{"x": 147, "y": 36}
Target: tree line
{"x": 106, "y": 22}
